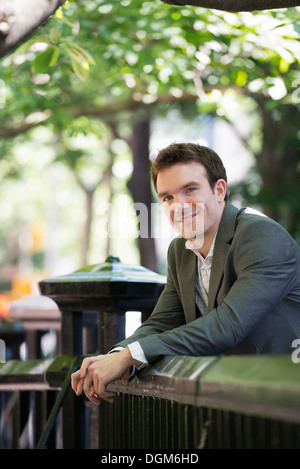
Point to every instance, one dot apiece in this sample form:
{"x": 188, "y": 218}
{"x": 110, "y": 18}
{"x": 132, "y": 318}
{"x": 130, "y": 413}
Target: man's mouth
{"x": 186, "y": 217}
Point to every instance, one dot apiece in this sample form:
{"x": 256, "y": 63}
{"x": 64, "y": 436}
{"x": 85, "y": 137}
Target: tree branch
{"x": 105, "y": 112}
{"x": 20, "y": 18}
{"x": 30, "y": 122}
{"x": 237, "y": 5}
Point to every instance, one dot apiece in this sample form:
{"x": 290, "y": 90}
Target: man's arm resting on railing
{"x": 97, "y": 372}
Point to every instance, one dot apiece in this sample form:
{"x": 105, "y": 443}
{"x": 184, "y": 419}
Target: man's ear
{"x": 221, "y": 188}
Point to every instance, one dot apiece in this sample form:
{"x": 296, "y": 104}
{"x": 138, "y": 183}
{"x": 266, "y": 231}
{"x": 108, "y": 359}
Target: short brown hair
{"x": 187, "y": 153}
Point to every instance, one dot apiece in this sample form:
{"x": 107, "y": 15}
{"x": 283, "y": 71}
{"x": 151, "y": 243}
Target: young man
{"x": 233, "y": 284}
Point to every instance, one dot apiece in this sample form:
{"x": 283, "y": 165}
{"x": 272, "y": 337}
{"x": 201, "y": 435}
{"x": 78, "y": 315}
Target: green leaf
{"x": 241, "y": 78}
{"x": 54, "y": 57}
{"x": 80, "y": 51}
{"x": 59, "y": 13}
{"x": 80, "y": 59}
{"x": 56, "y": 33}
{"x": 297, "y": 26}
{"x": 45, "y": 60}
{"x": 80, "y": 66}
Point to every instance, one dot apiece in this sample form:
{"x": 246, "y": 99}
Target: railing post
{"x": 109, "y": 290}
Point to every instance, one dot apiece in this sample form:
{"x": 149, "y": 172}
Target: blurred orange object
{"x": 4, "y": 306}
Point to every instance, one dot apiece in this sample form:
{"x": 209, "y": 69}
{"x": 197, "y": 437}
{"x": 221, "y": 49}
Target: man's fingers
{"x": 99, "y": 389}
{"x": 97, "y": 372}
{"x": 76, "y": 382}
{"x": 125, "y": 377}
{"x": 92, "y": 396}
{"x": 88, "y": 384}
{"x": 86, "y": 362}
{"x": 107, "y": 396}
{"x": 79, "y": 387}
{"x": 96, "y": 398}
{"x": 96, "y": 391}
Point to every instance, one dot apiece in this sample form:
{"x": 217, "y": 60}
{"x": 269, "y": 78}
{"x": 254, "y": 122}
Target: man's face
{"x": 192, "y": 207}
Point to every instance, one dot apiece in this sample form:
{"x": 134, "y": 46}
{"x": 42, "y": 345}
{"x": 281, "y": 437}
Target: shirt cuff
{"x": 137, "y": 353}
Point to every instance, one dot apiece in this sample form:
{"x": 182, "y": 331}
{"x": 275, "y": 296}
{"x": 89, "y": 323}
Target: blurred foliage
{"x": 143, "y": 52}
{"x": 95, "y": 65}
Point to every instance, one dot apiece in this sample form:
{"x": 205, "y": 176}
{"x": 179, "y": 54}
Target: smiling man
{"x": 233, "y": 284}
{"x": 193, "y": 207}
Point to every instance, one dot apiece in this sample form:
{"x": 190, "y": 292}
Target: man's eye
{"x": 167, "y": 198}
{"x": 190, "y": 189}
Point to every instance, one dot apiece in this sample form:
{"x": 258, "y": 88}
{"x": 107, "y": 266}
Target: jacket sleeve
{"x": 263, "y": 257}
{"x": 167, "y": 314}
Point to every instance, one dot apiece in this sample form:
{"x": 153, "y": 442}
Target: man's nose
{"x": 180, "y": 207}
{"x": 177, "y": 206}
{"x": 179, "y": 200}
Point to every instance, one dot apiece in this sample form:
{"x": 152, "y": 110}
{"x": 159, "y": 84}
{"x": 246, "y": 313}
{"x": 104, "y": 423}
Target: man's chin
{"x": 197, "y": 240}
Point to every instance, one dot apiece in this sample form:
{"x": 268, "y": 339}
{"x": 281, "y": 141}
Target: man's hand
{"x": 97, "y": 372}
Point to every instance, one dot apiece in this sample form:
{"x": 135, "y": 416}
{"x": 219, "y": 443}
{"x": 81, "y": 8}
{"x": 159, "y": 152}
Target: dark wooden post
{"x": 109, "y": 289}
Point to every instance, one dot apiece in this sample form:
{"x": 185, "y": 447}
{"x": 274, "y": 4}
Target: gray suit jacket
{"x": 254, "y": 294}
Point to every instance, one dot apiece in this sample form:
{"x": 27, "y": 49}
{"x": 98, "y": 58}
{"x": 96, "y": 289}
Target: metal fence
{"x": 153, "y": 423}
{"x": 210, "y": 402}
{"x": 179, "y": 403}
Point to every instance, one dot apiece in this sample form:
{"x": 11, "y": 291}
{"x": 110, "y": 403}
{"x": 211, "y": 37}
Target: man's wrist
{"x": 132, "y": 361}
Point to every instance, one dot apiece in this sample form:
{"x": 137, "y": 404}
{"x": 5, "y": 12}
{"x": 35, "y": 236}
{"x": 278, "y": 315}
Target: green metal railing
{"x": 209, "y": 402}
{"x": 179, "y": 403}
{"x": 58, "y": 404}
{"x": 33, "y": 393}
{"x": 154, "y": 423}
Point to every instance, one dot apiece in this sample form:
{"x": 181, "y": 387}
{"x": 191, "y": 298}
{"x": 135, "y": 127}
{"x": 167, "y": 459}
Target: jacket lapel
{"x": 222, "y": 245}
{"x": 187, "y": 281}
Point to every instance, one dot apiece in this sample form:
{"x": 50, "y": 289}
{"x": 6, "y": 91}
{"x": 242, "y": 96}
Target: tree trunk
{"x": 89, "y": 194}
{"x": 20, "y": 18}
{"x": 107, "y": 179}
{"x": 140, "y": 188}
{"x": 277, "y": 165}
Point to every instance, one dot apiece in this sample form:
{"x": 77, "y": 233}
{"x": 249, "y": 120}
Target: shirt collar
{"x": 193, "y": 247}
